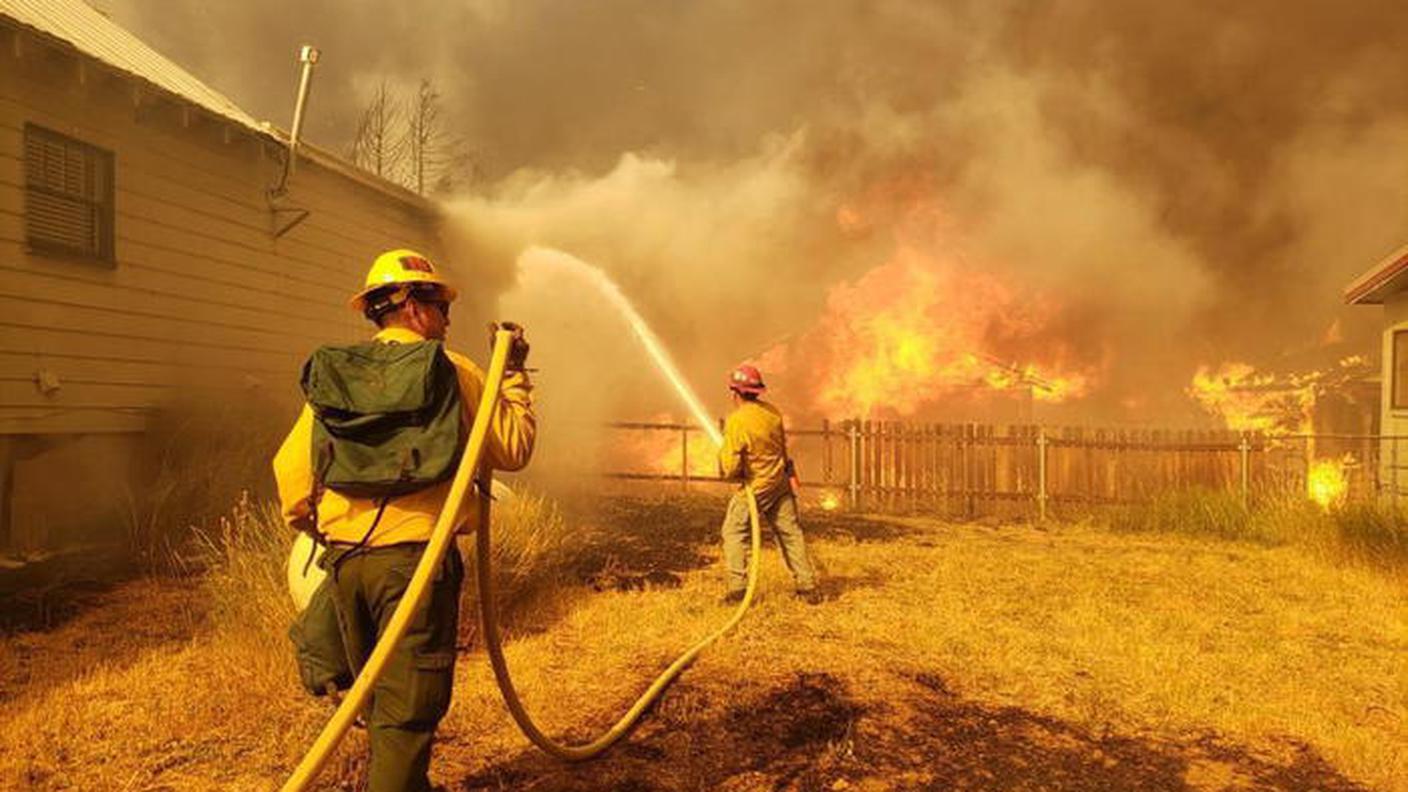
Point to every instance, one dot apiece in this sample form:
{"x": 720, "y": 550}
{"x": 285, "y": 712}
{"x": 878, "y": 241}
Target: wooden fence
{"x": 972, "y": 470}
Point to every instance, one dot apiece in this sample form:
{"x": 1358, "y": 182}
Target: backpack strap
{"x": 411, "y": 458}
{"x": 361, "y": 546}
{"x": 380, "y": 510}
{"x": 316, "y": 495}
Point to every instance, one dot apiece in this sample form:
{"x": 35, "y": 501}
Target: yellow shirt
{"x": 410, "y": 517}
{"x": 755, "y": 450}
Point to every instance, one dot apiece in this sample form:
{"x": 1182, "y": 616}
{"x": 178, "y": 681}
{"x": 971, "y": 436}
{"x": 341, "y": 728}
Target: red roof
{"x": 1385, "y": 278}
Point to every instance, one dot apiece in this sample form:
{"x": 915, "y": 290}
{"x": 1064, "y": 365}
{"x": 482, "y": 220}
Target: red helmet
{"x": 746, "y": 379}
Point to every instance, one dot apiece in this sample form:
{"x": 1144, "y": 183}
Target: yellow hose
{"x": 577, "y": 753}
{"x": 440, "y": 539}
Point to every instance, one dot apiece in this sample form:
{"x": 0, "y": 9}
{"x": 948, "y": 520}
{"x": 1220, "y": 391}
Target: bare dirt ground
{"x": 944, "y": 657}
{"x": 813, "y": 733}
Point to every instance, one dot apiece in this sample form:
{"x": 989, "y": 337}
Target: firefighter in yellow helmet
{"x": 374, "y": 541}
{"x": 394, "y": 276}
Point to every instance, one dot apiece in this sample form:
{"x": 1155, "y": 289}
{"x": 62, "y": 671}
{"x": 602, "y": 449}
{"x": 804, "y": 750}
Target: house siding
{"x": 200, "y": 290}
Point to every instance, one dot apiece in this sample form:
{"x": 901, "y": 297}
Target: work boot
{"x": 809, "y": 596}
{"x": 731, "y": 598}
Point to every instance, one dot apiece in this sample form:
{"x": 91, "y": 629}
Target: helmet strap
{"x": 381, "y": 304}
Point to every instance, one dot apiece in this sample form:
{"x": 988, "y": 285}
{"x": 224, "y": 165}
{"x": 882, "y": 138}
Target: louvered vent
{"x": 68, "y": 195}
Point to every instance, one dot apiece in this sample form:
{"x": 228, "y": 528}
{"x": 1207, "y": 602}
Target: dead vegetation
{"x": 945, "y": 657}
{"x": 192, "y": 466}
{"x": 1374, "y": 534}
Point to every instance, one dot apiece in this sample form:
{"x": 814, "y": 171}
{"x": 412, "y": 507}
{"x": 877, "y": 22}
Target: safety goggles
{"x": 443, "y": 305}
{"x": 431, "y": 295}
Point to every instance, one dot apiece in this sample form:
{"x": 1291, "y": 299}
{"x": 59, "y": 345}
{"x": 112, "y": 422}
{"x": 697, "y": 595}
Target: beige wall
{"x": 201, "y": 289}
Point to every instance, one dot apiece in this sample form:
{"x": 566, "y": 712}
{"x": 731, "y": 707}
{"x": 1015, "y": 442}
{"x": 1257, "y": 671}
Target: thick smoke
{"x": 1189, "y": 182}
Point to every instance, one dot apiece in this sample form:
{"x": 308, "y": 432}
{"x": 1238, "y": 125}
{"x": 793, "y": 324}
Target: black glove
{"x": 517, "y": 345}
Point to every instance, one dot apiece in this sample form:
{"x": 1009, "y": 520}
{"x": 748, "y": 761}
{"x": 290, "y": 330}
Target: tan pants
{"x": 781, "y": 516}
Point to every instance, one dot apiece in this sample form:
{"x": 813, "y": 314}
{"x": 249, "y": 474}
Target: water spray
{"x": 542, "y": 256}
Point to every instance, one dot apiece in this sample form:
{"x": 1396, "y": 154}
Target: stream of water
{"x": 608, "y": 288}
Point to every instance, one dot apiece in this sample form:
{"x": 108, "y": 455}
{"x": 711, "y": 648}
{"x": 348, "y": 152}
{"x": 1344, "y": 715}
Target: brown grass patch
{"x": 945, "y": 657}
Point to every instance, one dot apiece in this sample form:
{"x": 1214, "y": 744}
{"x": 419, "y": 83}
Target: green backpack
{"x": 388, "y": 417}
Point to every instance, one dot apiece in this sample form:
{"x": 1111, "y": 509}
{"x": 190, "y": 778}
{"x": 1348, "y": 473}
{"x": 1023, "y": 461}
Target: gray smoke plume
{"x": 1188, "y": 182}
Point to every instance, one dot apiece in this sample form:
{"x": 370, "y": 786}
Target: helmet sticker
{"x": 416, "y": 264}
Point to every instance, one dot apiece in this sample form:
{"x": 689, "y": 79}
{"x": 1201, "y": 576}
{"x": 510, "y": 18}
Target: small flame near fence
{"x": 1279, "y": 407}
{"x": 1327, "y": 481}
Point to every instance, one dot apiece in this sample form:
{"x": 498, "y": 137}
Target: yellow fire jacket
{"x": 410, "y": 517}
{"x": 755, "y": 450}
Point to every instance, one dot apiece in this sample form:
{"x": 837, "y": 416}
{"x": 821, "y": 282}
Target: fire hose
{"x": 440, "y": 538}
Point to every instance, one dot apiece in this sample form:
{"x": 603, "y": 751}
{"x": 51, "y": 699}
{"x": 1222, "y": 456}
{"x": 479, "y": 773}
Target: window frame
{"x": 1398, "y": 346}
{"x": 103, "y": 204}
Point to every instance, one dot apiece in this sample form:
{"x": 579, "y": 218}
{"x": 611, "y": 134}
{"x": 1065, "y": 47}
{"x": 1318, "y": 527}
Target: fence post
{"x": 1393, "y": 472}
{"x": 684, "y": 457}
{"x": 1041, "y": 473}
{"x": 970, "y": 473}
{"x": 1244, "y": 449}
{"x": 853, "y": 436}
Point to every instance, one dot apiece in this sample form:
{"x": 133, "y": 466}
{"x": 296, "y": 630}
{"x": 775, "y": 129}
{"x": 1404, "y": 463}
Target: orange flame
{"x": 1326, "y": 482}
{"x": 924, "y": 327}
{"x": 1248, "y": 401}
{"x": 1251, "y": 401}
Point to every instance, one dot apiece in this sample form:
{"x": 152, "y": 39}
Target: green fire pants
{"x": 413, "y": 693}
{"x": 781, "y": 515}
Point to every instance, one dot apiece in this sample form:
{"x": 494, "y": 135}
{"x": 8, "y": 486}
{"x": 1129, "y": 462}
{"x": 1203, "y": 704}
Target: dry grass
{"x": 533, "y": 548}
{"x": 1169, "y": 639}
{"x": 1374, "y": 534}
{"x": 191, "y": 466}
{"x": 210, "y": 706}
{"x": 946, "y": 656}
{"x": 175, "y": 684}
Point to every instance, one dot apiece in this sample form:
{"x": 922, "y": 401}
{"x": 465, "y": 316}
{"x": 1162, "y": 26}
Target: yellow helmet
{"x": 400, "y": 267}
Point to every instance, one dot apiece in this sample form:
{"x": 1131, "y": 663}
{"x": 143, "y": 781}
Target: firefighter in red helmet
{"x": 755, "y": 454}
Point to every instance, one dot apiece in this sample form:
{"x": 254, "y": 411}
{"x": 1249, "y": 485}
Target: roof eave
{"x": 389, "y": 188}
{"x": 49, "y": 39}
{"x": 1390, "y": 275}
{"x": 264, "y": 130}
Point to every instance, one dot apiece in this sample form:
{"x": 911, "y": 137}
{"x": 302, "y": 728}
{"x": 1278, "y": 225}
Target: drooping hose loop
{"x": 494, "y": 644}
{"x": 440, "y": 538}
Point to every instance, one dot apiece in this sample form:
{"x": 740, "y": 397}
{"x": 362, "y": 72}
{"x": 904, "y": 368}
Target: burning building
{"x": 152, "y": 242}
{"x": 1341, "y": 398}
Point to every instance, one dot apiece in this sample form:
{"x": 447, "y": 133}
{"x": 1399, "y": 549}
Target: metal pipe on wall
{"x": 308, "y": 56}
